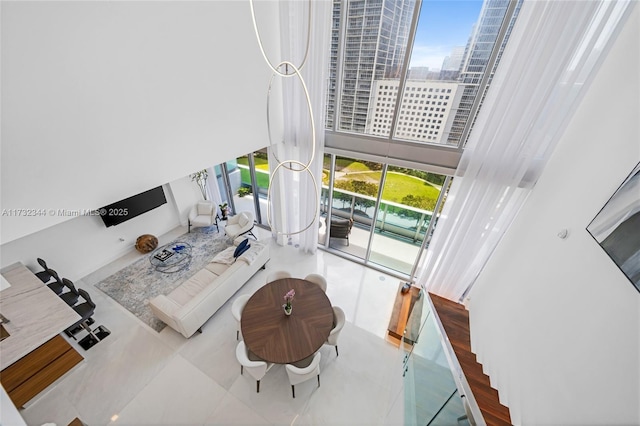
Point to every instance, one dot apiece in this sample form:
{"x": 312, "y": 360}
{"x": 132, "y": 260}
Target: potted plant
{"x": 287, "y": 299}
{"x": 200, "y": 178}
{"x": 224, "y": 208}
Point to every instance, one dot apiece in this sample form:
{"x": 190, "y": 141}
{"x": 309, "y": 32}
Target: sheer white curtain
{"x": 295, "y": 201}
{"x": 553, "y": 51}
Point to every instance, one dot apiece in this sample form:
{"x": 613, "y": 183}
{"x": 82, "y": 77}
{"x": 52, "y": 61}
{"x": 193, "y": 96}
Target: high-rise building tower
{"x": 451, "y": 64}
{"x": 375, "y": 35}
{"x": 425, "y": 112}
{"x": 477, "y": 54}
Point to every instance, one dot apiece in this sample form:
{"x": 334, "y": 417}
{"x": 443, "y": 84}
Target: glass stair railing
{"x": 430, "y": 393}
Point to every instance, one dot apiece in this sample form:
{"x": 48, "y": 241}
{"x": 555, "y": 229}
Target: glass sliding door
{"x": 326, "y": 183}
{"x": 390, "y": 210}
{"x": 355, "y": 190}
{"x": 250, "y": 183}
{"x": 409, "y": 198}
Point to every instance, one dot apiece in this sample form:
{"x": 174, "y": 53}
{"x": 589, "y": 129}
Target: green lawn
{"x": 263, "y": 178}
{"x": 398, "y": 185}
{"x": 261, "y": 163}
{"x": 353, "y": 166}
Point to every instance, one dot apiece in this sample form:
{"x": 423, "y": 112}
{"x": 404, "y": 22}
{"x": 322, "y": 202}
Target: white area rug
{"x": 133, "y": 286}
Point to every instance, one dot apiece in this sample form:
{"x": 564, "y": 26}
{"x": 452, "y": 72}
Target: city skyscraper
{"x": 476, "y": 58}
{"x": 450, "y": 70}
{"x": 375, "y": 37}
{"x": 375, "y": 43}
{"x": 453, "y": 61}
{"x": 425, "y": 112}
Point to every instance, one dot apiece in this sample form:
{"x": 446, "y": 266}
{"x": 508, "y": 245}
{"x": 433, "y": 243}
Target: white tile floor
{"x": 137, "y": 376}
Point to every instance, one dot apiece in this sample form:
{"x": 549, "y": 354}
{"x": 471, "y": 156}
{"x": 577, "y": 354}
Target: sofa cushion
{"x": 225, "y": 256}
{"x": 217, "y": 268}
{"x": 243, "y": 220}
{"x": 194, "y": 285}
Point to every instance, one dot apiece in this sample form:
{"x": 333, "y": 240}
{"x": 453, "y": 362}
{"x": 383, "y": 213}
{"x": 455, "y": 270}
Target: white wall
{"x": 83, "y": 244}
{"x": 104, "y": 100}
{"x": 555, "y": 323}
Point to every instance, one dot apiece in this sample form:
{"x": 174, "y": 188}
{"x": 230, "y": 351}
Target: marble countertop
{"x": 36, "y": 314}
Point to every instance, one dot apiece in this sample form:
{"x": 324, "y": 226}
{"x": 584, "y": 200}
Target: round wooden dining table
{"x": 275, "y": 337}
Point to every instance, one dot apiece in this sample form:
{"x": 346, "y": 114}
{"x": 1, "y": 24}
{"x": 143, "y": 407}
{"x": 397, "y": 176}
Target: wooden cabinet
{"x": 31, "y": 374}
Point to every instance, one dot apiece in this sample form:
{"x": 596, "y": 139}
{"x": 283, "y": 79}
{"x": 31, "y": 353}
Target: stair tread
{"x": 455, "y": 320}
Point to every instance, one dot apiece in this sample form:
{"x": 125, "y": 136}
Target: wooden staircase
{"x": 455, "y": 321}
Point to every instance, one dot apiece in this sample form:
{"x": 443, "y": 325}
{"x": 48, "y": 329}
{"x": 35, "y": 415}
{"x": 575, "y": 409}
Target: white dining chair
{"x": 257, "y": 369}
{"x": 277, "y": 275}
{"x": 317, "y": 279}
{"x": 338, "y": 323}
{"x": 237, "y": 308}
{"x": 301, "y": 374}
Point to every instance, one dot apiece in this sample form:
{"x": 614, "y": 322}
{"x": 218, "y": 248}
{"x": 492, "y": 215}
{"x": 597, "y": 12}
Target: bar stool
{"x": 70, "y": 297}
{"x": 85, "y": 310}
{"x": 44, "y": 276}
{"x": 57, "y": 286}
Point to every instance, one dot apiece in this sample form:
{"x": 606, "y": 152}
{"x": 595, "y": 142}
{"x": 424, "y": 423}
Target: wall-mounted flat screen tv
{"x": 126, "y": 209}
{"x": 617, "y": 227}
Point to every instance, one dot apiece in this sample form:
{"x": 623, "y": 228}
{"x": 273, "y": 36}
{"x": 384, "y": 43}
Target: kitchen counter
{"x": 36, "y": 314}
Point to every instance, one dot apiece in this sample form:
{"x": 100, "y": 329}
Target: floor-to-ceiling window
{"x": 408, "y": 201}
{"x": 406, "y": 80}
{"x": 414, "y": 70}
{"x": 355, "y": 190}
{"x": 248, "y": 184}
{"x": 392, "y": 209}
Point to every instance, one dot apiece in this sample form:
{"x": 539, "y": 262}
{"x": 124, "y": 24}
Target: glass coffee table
{"x": 171, "y": 258}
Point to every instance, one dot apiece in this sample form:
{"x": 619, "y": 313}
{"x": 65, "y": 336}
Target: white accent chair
{"x": 301, "y": 374}
{"x": 317, "y": 279}
{"x": 236, "y": 310}
{"x": 203, "y": 215}
{"x": 338, "y": 323}
{"x": 240, "y": 224}
{"x": 277, "y": 275}
{"x": 257, "y": 369}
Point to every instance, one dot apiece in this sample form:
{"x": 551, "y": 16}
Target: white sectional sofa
{"x": 190, "y": 305}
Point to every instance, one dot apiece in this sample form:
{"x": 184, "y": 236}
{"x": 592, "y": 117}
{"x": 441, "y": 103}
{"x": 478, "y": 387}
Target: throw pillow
{"x": 245, "y": 248}
{"x": 240, "y": 248}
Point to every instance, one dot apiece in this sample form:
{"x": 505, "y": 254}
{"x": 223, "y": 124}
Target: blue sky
{"x": 443, "y": 24}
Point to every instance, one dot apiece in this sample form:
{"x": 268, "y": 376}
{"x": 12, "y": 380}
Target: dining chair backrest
{"x": 317, "y": 279}
{"x": 300, "y": 374}
{"x": 257, "y": 369}
{"x": 339, "y": 320}
{"x": 236, "y": 310}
